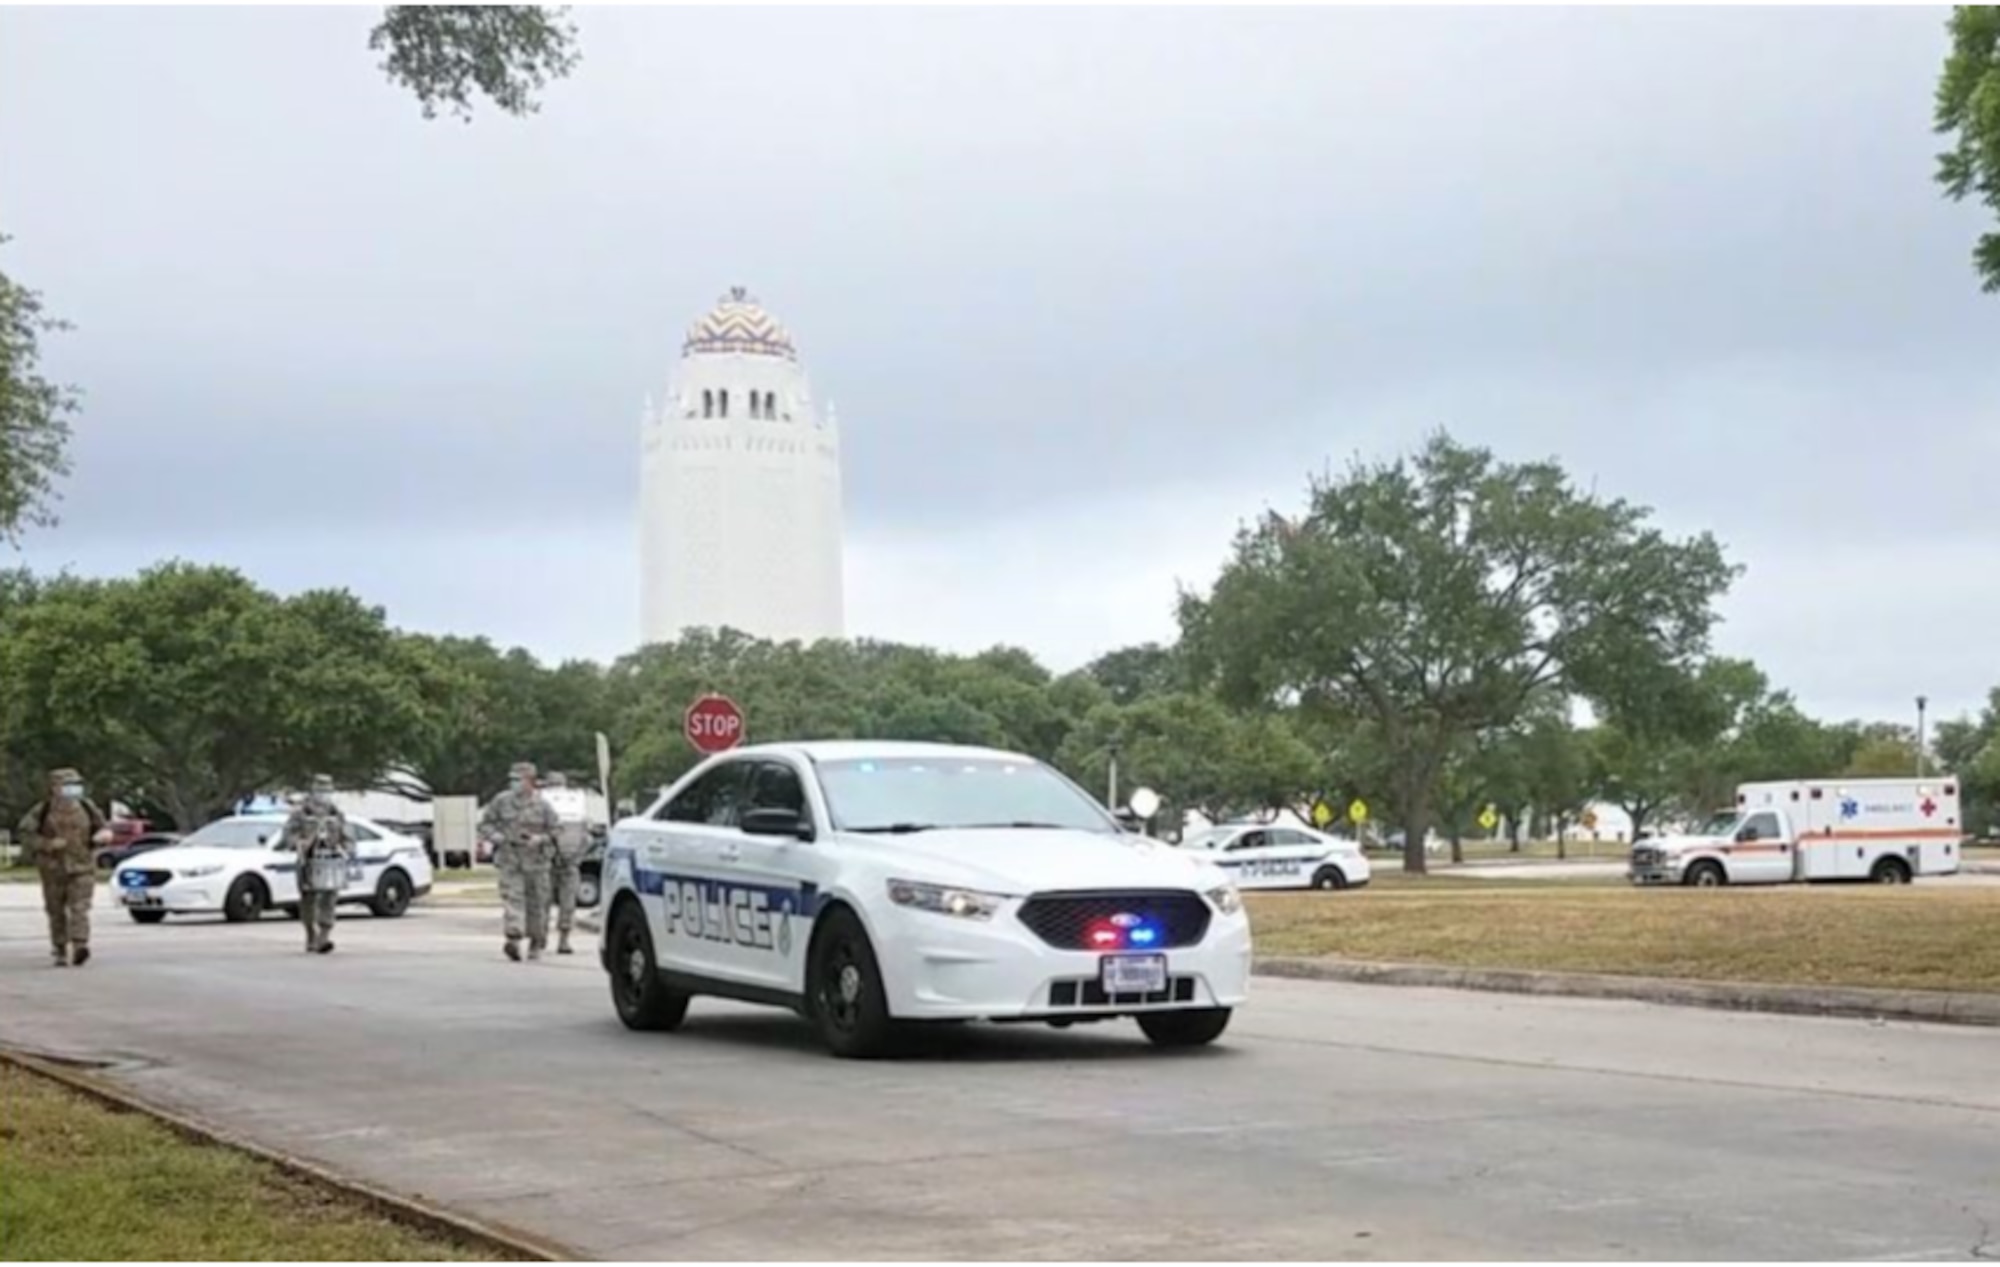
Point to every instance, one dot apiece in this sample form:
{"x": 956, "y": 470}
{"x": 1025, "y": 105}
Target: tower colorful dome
{"x": 739, "y": 324}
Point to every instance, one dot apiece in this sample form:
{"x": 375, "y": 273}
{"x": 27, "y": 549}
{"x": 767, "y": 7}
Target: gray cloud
{"x": 1035, "y": 255}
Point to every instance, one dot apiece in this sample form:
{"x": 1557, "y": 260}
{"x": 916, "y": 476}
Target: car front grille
{"x": 1645, "y": 856}
{"x": 144, "y": 879}
{"x": 1063, "y": 919}
{"x": 1090, "y": 993}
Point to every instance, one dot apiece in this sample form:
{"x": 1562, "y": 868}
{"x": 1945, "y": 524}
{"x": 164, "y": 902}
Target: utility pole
{"x": 1111, "y": 796}
{"x": 1922, "y": 704}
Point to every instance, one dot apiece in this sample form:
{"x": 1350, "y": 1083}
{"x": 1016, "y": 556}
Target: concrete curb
{"x": 1937, "y": 1006}
{"x": 505, "y": 1242}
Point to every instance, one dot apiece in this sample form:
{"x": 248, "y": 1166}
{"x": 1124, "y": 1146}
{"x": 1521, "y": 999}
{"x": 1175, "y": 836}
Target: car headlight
{"x": 965, "y": 903}
{"x": 1226, "y": 899}
{"x": 196, "y": 873}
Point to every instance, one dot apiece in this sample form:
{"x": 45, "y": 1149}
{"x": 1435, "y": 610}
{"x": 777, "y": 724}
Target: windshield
{"x": 232, "y": 834}
{"x": 926, "y": 793}
{"x": 1206, "y": 838}
{"x": 1722, "y": 823}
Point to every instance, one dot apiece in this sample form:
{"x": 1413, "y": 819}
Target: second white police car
{"x": 869, "y": 886}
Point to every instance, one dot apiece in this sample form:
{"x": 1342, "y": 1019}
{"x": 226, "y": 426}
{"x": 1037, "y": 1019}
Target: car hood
{"x": 1019, "y": 861}
{"x": 188, "y": 857}
{"x": 1677, "y": 844}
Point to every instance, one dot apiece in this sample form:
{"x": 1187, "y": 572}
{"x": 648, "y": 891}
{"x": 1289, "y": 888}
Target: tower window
{"x": 756, "y": 404}
{"x": 770, "y": 404}
{"x": 722, "y": 403}
{"x": 707, "y": 404}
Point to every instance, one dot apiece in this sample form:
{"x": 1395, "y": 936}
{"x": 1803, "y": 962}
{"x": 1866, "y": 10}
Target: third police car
{"x": 1268, "y": 856}
{"x": 869, "y": 885}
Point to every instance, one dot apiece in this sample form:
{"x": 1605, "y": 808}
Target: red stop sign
{"x": 714, "y": 724}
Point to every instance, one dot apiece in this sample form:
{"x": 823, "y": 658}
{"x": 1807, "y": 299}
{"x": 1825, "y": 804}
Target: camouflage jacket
{"x": 520, "y": 823}
{"x": 59, "y": 833}
{"x": 311, "y": 832}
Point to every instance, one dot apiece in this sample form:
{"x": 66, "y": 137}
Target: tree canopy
{"x": 34, "y": 413}
{"x": 445, "y": 54}
{"x": 1438, "y": 595}
{"x": 1968, "y": 110}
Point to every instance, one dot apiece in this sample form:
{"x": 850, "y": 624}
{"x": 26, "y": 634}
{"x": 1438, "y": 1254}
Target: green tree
{"x": 190, "y": 688}
{"x": 1668, "y": 741}
{"x": 446, "y": 53}
{"x": 1969, "y": 749}
{"x": 1196, "y": 753}
{"x": 1129, "y": 674}
{"x": 1438, "y": 595}
{"x": 1968, "y": 109}
{"x": 1884, "y": 750}
{"x": 34, "y": 413}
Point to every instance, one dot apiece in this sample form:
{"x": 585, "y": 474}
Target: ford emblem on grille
{"x": 1125, "y": 919}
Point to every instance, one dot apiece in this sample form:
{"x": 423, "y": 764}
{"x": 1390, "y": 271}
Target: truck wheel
{"x": 643, "y": 1000}
{"x": 1891, "y": 871}
{"x": 1705, "y": 875}
{"x": 1194, "y": 1028}
{"x": 844, "y": 994}
{"x": 1329, "y": 878}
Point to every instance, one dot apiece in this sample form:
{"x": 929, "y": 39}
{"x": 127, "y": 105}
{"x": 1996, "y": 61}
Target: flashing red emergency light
{"x": 1129, "y": 934}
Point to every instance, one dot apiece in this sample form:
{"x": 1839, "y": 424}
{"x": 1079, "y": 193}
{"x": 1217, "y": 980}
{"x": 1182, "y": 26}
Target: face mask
{"x": 72, "y": 791}
{"x": 515, "y": 785}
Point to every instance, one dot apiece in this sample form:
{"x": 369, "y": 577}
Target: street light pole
{"x": 1111, "y": 797}
{"x": 1922, "y": 703}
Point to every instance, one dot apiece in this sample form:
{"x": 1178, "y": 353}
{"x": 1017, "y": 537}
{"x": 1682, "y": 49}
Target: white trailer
{"x": 1888, "y": 831}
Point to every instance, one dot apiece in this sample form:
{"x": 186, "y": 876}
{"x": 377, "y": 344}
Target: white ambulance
{"x": 1888, "y": 831}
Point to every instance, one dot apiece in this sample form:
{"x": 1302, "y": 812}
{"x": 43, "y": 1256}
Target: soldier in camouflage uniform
{"x": 571, "y": 841}
{"x": 521, "y": 827}
{"x": 316, "y": 830}
{"x": 60, "y": 830}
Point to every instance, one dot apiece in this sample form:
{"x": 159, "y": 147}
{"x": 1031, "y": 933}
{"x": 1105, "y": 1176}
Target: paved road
{"x": 1334, "y": 1121}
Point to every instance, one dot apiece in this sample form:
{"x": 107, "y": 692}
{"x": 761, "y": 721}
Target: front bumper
{"x": 1653, "y": 869}
{"x": 937, "y": 967}
{"x": 179, "y": 897}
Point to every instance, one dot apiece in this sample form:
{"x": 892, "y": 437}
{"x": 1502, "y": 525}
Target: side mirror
{"x": 1129, "y": 820}
{"x": 776, "y": 822}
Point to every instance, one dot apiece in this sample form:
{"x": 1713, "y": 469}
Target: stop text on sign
{"x": 714, "y": 724}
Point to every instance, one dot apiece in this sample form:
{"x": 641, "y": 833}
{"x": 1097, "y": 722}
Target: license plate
{"x": 140, "y": 897}
{"x": 1133, "y": 974}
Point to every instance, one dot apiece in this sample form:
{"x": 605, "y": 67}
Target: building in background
{"x": 740, "y": 502}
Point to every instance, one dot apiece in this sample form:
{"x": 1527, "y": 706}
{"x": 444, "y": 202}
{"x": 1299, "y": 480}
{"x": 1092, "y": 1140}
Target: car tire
{"x": 586, "y": 891}
{"x": 147, "y": 917}
{"x": 1329, "y": 877}
{"x": 844, "y": 996}
{"x": 290, "y": 912}
{"x": 392, "y": 895}
{"x": 246, "y": 900}
{"x": 1196, "y": 1027}
{"x": 1705, "y": 875}
{"x": 1890, "y": 871}
{"x": 643, "y": 1001}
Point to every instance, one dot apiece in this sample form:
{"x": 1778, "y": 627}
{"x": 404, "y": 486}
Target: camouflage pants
{"x": 66, "y": 894}
{"x": 563, "y": 879}
{"x": 317, "y": 912}
{"x": 524, "y": 894}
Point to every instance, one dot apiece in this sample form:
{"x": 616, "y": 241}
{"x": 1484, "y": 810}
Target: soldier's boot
{"x": 534, "y": 952}
{"x": 79, "y": 954}
{"x": 562, "y": 943}
{"x": 61, "y": 956}
{"x": 513, "y": 949}
{"x": 326, "y": 947}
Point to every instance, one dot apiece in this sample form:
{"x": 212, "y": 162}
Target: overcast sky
{"x": 1088, "y": 288}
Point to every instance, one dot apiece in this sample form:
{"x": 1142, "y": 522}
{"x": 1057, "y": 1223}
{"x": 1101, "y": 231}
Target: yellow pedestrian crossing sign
{"x": 1488, "y": 819}
{"x": 1322, "y": 813}
{"x": 1357, "y": 811}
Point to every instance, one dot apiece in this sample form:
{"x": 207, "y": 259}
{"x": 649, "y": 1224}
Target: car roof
{"x": 876, "y": 749}
{"x": 274, "y": 817}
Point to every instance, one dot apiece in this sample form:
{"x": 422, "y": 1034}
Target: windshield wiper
{"x": 895, "y": 829}
{"x": 1023, "y": 826}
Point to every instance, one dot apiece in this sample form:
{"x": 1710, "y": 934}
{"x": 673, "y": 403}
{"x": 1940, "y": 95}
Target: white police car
{"x": 868, "y": 885}
{"x": 241, "y": 867}
{"x": 1262, "y": 856}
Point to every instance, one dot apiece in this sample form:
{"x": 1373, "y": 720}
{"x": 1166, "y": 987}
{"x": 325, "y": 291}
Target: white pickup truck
{"x": 1888, "y": 831}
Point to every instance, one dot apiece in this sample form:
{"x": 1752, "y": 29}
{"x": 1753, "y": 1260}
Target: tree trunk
{"x": 1457, "y": 843}
{"x": 1562, "y": 837}
{"x": 1416, "y": 826}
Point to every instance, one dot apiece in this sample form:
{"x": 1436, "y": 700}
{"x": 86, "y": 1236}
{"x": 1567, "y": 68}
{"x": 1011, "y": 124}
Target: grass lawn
{"x": 80, "y": 1181}
{"x": 1915, "y": 937}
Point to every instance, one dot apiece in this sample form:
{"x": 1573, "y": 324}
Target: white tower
{"x": 739, "y": 500}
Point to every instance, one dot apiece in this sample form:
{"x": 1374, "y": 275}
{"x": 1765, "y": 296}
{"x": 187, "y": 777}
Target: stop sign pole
{"x": 713, "y": 724}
